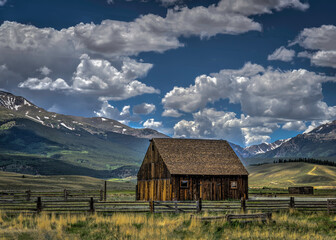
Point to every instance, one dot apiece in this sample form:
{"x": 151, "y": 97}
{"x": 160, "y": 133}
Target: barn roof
{"x": 199, "y": 157}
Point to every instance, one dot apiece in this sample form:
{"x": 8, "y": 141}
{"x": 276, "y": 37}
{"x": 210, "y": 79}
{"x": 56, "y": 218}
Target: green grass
{"x": 15, "y": 181}
{"x": 283, "y": 175}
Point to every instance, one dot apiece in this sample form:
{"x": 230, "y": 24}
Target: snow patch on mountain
{"x": 37, "y": 120}
{"x": 70, "y": 128}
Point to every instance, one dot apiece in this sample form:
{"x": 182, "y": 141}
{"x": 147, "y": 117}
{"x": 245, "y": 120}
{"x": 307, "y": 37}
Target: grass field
{"x": 277, "y": 177}
{"x": 15, "y": 181}
{"x": 283, "y": 175}
{"x": 286, "y": 225}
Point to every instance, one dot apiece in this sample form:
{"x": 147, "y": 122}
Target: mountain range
{"x": 36, "y": 141}
{"x": 319, "y": 143}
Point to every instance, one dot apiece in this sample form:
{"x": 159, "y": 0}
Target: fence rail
{"x": 66, "y": 194}
{"x": 44, "y": 204}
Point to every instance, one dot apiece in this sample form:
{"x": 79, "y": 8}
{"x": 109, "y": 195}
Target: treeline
{"x": 307, "y": 160}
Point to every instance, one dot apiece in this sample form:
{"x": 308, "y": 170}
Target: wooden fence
{"x": 53, "y": 195}
{"x": 44, "y": 204}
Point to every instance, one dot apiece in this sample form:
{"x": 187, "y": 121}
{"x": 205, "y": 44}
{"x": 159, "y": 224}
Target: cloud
{"x": 110, "y": 2}
{"x": 3, "y": 2}
{"x": 151, "y": 123}
{"x": 44, "y": 70}
{"x": 144, "y": 108}
{"x": 295, "y": 126}
{"x": 109, "y": 111}
{"x": 255, "y": 7}
{"x": 210, "y": 123}
{"x": 315, "y": 124}
{"x": 99, "y": 77}
{"x": 292, "y": 94}
{"x": 321, "y": 42}
{"x": 320, "y": 38}
{"x": 44, "y": 84}
{"x": 170, "y": 2}
{"x": 3, "y": 67}
{"x": 171, "y": 113}
{"x": 282, "y": 54}
{"x": 109, "y": 47}
{"x": 324, "y": 58}
{"x": 146, "y": 33}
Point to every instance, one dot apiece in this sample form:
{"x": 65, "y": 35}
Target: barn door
{"x": 196, "y": 189}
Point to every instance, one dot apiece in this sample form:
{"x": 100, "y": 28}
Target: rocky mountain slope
{"x": 35, "y": 141}
{"x": 253, "y": 150}
{"x": 318, "y": 143}
{"x": 95, "y": 125}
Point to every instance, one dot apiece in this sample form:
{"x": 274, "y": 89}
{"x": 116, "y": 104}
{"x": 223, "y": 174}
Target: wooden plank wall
{"x": 153, "y": 177}
{"x": 210, "y": 187}
{"x": 157, "y": 190}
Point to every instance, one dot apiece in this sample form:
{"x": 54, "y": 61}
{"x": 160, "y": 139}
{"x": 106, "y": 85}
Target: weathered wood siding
{"x": 153, "y": 177}
{"x": 209, "y": 187}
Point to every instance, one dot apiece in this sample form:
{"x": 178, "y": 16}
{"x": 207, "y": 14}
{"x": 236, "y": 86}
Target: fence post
{"x": 243, "y": 204}
{"x": 176, "y": 209}
{"x": 39, "y": 205}
{"x": 28, "y": 195}
{"x": 291, "y": 202}
{"x": 105, "y": 190}
{"x": 92, "y": 209}
{"x": 151, "y": 206}
{"x": 199, "y": 205}
{"x": 101, "y": 194}
{"x": 65, "y": 195}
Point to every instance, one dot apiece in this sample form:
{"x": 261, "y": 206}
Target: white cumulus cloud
{"x": 171, "y": 113}
{"x": 292, "y": 94}
{"x": 44, "y": 70}
{"x": 321, "y": 42}
{"x": 282, "y": 54}
{"x": 151, "y": 123}
{"x": 99, "y": 77}
{"x": 109, "y": 111}
{"x": 210, "y": 123}
{"x": 44, "y": 84}
{"x": 144, "y": 108}
{"x": 295, "y": 126}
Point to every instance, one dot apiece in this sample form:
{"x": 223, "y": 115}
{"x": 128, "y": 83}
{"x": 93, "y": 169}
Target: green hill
{"x": 292, "y": 174}
{"x": 27, "y": 146}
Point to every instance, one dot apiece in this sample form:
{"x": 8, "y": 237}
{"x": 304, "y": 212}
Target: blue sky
{"x": 245, "y": 71}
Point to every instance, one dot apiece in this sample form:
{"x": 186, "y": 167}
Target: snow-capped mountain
{"x": 265, "y": 147}
{"x": 318, "y": 143}
{"x": 254, "y": 150}
{"x": 35, "y": 141}
{"x": 95, "y": 125}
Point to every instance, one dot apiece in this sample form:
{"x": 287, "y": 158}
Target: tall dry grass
{"x": 287, "y": 225}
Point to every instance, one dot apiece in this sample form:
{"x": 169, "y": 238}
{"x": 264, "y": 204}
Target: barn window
{"x": 184, "y": 183}
{"x": 233, "y": 184}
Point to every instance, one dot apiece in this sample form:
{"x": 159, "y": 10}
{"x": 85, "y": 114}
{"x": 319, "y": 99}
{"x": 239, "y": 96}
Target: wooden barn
{"x": 189, "y": 169}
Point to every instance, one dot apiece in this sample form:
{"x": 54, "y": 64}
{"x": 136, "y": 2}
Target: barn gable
{"x": 199, "y": 157}
{"x": 153, "y": 167}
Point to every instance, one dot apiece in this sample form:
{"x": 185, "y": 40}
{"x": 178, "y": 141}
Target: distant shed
{"x": 301, "y": 190}
{"x": 189, "y": 169}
